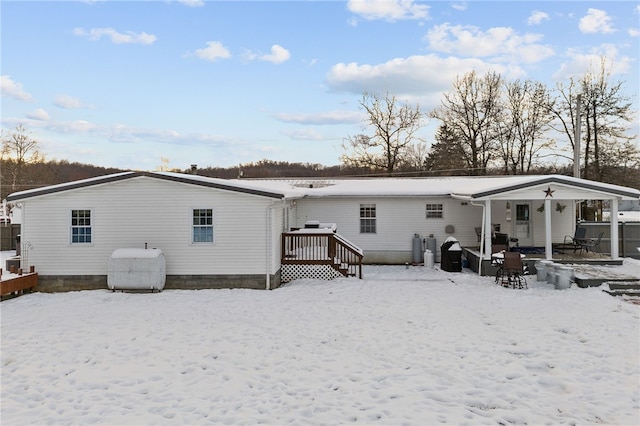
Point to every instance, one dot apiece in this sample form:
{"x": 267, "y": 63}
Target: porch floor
{"x": 591, "y": 269}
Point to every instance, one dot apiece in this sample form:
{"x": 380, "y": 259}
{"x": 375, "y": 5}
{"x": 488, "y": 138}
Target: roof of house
{"x": 223, "y": 184}
{"x": 471, "y": 187}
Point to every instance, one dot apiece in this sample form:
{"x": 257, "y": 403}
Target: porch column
{"x": 488, "y": 231}
{"x": 548, "y": 248}
{"x": 615, "y": 251}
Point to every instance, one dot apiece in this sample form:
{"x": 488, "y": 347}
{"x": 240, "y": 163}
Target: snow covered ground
{"x": 403, "y": 346}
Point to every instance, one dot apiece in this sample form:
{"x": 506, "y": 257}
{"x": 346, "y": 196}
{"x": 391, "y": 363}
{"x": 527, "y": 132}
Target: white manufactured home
{"x": 256, "y": 233}
{"x": 213, "y": 233}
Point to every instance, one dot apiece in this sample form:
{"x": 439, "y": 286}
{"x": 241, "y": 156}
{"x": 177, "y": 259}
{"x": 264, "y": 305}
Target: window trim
{"x": 90, "y": 227}
{"x": 192, "y": 226}
{"x": 365, "y": 228}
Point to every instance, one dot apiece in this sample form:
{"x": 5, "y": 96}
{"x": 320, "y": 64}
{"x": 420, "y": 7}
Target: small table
{"x": 498, "y": 258}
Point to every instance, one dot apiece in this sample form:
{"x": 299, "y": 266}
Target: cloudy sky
{"x": 140, "y": 84}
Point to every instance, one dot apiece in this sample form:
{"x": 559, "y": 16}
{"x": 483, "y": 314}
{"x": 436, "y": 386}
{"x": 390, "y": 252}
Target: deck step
{"x": 624, "y": 289}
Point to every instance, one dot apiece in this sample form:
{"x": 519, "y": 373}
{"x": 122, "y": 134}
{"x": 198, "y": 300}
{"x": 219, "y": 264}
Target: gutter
{"x": 269, "y": 240}
{"x": 269, "y": 253}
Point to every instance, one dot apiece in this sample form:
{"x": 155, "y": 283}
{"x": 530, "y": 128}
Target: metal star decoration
{"x": 549, "y": 192}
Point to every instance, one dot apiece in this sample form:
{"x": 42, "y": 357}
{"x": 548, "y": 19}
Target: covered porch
{"x": 537, "y": 216}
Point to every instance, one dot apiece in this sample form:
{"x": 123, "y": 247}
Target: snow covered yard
{"x": 403, "y": 346}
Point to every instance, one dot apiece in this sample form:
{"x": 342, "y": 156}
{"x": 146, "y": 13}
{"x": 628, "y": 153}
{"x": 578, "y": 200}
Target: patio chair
{"x": 592, "y": 244}
{"x": 576, "y": 241}
{"x": 478, "y": 230}
{"x": 513, "y": 271}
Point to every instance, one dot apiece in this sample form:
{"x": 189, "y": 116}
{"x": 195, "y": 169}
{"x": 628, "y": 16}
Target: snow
{"x": 136, "y": 253}
{"x": 625, "y": 216}
{"x": 404, "y": 346}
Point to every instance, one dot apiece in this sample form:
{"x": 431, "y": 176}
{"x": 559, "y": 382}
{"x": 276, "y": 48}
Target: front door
{"x": 522, "y": 226}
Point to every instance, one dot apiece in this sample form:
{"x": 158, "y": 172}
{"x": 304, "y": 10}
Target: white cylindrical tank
{"x": 136, "y": 269}
{"x": 429, "y": 259}
{"x": 542, "y": 267}
{"x": 565, "y": 277}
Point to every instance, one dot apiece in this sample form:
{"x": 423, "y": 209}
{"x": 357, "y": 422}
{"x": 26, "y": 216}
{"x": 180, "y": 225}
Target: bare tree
{"x": 393, "y": 126}
{"x": 415, "y": 156}
{"x": 18, "y": 149}
{"x": 526, "y": 117}
{"x": 605, "y": 116}
{"x": 470, "y": 111}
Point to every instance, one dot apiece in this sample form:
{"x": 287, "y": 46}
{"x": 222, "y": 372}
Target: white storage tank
{"x": 136, "y": 269}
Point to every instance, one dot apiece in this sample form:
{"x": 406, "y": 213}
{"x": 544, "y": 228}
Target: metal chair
{"x": 513, "y": 271}
{"x": 592, "y": 244}
{"x": 577, "y": 240}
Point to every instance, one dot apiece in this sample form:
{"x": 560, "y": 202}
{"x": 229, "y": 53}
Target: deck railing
{"x": 20, "y": 283}
{"x": 299, "y": 248}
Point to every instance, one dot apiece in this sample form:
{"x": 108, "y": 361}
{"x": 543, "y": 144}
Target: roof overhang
{"x": 173, "y": 177}
{"x": 556, "y": 187}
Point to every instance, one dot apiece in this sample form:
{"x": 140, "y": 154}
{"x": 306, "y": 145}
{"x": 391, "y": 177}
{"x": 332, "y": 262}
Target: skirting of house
{"x": 62, "y": 283}
{"x": 374, "y": 257}
{"x": 318, "y": 272}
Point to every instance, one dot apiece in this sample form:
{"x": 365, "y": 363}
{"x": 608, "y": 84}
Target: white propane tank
{"x": 429, "y": 259}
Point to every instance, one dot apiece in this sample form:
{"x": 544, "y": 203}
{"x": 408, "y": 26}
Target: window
{"x": 367, "y": 218}
{"x": 81, "y": 227}
{"x": 434, "y": 211}
{"x": 202, "y": 225}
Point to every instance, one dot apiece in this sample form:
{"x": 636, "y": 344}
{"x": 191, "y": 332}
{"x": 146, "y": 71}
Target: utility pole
{"x": 576, "y": 139}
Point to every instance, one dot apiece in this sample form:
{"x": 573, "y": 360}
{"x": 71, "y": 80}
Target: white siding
{"x": 398, "y": 220}
{"x": 561, "y": 223}
{"x": 141, "y": 210}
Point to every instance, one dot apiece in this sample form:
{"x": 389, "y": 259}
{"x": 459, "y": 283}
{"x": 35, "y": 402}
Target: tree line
{"x": 490, "y": 125}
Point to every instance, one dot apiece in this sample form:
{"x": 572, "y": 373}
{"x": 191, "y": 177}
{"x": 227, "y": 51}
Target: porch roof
{"x": 473, "y": 188}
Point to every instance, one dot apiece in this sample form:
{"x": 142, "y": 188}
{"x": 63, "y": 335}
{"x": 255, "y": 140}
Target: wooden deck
{"x": 19, "y": 284}
{"x": 321, "y": 248}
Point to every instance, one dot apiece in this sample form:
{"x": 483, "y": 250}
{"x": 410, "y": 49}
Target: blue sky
{"x": 128, "y": 84}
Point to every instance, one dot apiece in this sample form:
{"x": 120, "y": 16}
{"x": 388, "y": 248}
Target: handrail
{"x": 319, "y": 248}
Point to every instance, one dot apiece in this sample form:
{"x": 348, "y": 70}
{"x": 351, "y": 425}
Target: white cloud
{"x": 580, "y": 62}
{"x": 460, "y": 6}
{"x": 214, "y": 50}
{"x": 192, "y": 3}
{"x": 322, "y": 118}
{"x": 39, "y": 114}
{"x": 10, "y": 88}
{"x": 537, "y": 17}
{"x": 69, "y": 102}
{"x": 305, "y": 134}
{"x": 116, "y": 37}
{"x": 390, "y": 10}
{"x": 500, "y": 43}
{"x": 596, "y": 21}
{"x": 416, "y": 78}
{"x": 278, "y": 55}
